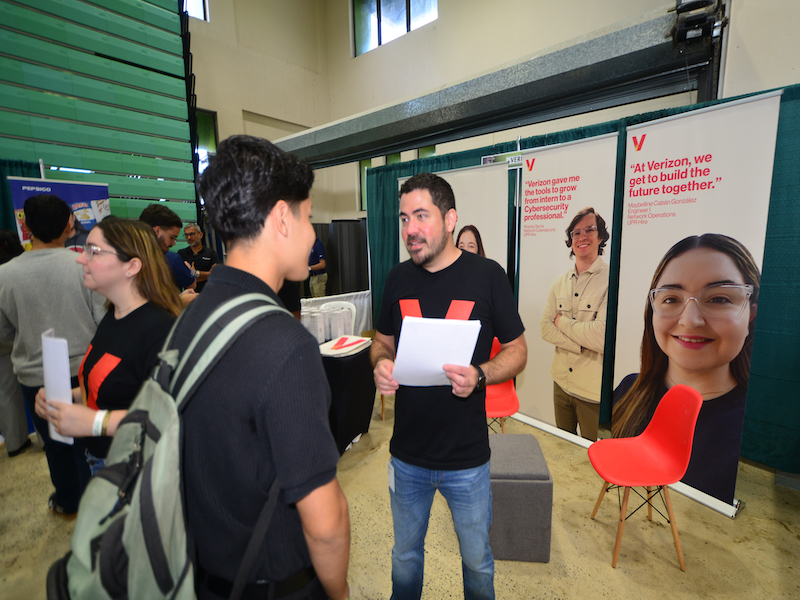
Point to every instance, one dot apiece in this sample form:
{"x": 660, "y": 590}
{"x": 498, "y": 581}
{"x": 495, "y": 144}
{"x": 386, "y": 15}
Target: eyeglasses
{"x": 90, "y": 250}
{"x": 724, "y": 301}
{"x": 588, "y": 231}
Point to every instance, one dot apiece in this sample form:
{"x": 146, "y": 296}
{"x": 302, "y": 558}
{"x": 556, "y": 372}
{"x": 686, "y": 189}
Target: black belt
{"x": 260, "y": 590}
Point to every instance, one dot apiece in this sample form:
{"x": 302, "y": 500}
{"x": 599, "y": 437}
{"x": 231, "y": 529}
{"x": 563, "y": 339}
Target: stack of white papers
{"x": 426, "y": 345}
{"x": 55, "y": 361}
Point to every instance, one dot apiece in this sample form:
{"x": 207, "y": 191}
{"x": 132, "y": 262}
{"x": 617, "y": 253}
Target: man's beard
{"x": 422, "y": 259}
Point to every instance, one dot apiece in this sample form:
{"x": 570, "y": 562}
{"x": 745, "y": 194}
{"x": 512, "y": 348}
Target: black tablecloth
{"x": 353, "y": 395}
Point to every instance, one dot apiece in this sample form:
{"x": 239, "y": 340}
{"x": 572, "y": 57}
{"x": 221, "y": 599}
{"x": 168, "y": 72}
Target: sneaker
{"x": 57, "y": 509}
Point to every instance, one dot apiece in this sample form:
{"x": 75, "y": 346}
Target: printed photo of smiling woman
{"x": 698, "y": 331}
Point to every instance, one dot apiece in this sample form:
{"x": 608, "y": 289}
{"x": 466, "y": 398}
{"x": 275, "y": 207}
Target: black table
{"x": 352, "y": 395}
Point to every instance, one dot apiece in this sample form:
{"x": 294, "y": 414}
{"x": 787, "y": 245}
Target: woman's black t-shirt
{"x": 116, "y": 363}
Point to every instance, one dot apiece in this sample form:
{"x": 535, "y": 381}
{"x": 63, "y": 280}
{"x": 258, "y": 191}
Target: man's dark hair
{"x": 46, "y": 217}
{"x": 244, "y": 181}
{"x": 440, "y": 191}
{"x": 158, "y": 215}
{"x": 602, "y": 232}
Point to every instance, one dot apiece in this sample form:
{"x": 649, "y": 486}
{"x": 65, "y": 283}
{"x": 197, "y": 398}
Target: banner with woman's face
{"x": 695, "y": 212}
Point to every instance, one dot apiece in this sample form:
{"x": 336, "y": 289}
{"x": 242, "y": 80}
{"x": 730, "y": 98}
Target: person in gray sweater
{"x": 39, "y": 290}
{"x": 13, "y": 424}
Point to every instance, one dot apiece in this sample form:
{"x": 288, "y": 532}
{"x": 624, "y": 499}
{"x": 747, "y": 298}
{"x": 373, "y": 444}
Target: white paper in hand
{"x": 55, "y": 361}
{"x": 426, "y": 345}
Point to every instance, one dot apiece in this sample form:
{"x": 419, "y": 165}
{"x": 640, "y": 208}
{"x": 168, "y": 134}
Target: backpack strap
{"x": 218, "y": 333}
{"x": 255, "y": 543}
{"x": 172, "y": 361}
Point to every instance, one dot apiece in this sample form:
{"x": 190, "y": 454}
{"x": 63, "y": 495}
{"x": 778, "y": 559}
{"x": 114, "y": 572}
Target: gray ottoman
{"x": 522, "y": 499}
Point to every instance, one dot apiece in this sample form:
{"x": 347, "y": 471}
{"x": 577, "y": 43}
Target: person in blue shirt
{"x": 167, "y": 227}
{"x": 317, "y": 268}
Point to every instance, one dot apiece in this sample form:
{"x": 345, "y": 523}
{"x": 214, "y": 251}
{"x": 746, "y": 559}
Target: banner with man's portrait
{"x": 566, "y": 202}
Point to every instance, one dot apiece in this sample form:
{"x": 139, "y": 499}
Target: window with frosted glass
{"x": 377, "y": 22}
{"x": 423, "y": 12}
{"x": 365, "y": 13}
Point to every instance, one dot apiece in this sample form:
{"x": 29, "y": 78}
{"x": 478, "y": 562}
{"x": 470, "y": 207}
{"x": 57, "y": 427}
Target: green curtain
{"x": 12, "y": 168}
{"x": 772, "y": 418}
{"x": 772, "y": 421}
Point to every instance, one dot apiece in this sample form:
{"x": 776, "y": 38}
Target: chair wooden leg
{"x": 649, "y": 506}
{"x": 674, "y": 526}
{"x": 603, "y": 491}
{"x": 383, "y": 408}
{"x": 623, "y": 511}
{"x": 503, "y": 424}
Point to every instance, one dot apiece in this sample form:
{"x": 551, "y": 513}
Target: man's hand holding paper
{"x": 434, "y": 352}
{"x": 463, "y": 379}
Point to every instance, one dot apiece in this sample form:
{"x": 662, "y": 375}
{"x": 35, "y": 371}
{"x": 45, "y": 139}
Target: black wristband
{"x": 481, "y": 385}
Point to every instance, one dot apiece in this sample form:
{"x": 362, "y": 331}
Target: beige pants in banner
{"x": 572, "y": 411}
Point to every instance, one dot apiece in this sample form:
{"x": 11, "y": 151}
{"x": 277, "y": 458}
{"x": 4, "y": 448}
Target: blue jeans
{"x": 95, "y": 464}
{"x": 469, "y": 495}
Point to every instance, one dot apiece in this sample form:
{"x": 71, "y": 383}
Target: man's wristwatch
{"x": 481, "y": 385}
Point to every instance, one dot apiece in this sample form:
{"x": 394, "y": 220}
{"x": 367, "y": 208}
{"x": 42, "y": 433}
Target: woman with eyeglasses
{"x": 123, "y": 262}
{"x": 699, "y": 323}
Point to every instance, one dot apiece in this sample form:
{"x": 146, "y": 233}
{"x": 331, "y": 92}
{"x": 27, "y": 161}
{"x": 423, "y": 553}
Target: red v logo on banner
{"x": 529, "y": 163}
{"x": 637, "y": 144}
{"x": 459, "y": 309}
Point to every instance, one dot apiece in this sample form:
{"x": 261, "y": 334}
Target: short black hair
{"x": 440, "y": 191}
{"x": 46, "y": 216}
{"x": 602, "y": 231}
{"x": 158, "y": 215}
{"x": 244, "y": 181}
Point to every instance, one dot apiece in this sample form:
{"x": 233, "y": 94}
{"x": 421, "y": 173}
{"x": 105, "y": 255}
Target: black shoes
{"x": 21, "y": 449}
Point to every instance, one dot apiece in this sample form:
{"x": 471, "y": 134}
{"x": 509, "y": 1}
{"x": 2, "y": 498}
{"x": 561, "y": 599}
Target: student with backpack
{"x": 262, "y": 413}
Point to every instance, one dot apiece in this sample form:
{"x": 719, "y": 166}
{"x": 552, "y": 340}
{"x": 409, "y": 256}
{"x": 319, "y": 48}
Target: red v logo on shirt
{"x": 459, "y": 309}
{"x": 101, "y": 370}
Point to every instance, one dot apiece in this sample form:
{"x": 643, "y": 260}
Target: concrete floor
{"x": 755, "y": 556}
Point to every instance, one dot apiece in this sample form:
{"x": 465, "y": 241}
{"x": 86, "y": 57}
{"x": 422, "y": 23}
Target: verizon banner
{"x": 695, "y": 213}
{"x": 563, "y": 310}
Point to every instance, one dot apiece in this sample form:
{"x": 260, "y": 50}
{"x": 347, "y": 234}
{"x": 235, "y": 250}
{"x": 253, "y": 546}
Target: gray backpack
{"x": 130, "y": 538}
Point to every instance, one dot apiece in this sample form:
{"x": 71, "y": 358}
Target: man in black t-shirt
{"x": 199, "y": 257}
{"x": 440, "y": 438}
{"x": 262, "y": 413}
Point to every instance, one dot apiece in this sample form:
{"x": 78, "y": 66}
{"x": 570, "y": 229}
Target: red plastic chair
{"x": 656, "y": 458}
{"x": 501, "y": 398}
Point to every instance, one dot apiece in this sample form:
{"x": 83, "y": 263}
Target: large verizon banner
{"x": 558, "y": 183}
{"x": 695, "y": 214}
